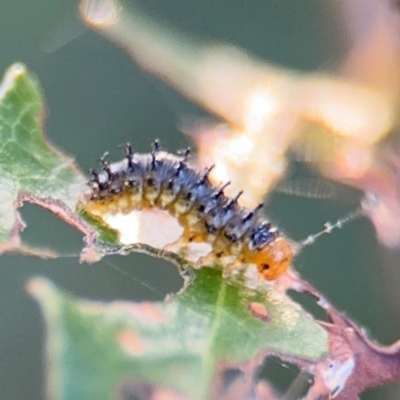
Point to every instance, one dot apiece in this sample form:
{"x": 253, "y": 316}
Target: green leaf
{"x": 29, "y": 166}
{"x": 95, "y": 350}
{"x": 98, "y": 348}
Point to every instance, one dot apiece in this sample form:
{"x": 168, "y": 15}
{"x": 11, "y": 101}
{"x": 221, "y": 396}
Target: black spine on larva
{"x": 129, "y": 157}
{"x": 163, "y": 171}
{"x": 262, "y": 235}
{"x": 154, "y": 161}
{"x": 239, "y": 226}
{"x": 222, "y": 213}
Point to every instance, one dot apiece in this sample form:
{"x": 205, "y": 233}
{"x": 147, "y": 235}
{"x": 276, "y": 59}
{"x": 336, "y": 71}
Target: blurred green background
{"x": 98, "y": 99}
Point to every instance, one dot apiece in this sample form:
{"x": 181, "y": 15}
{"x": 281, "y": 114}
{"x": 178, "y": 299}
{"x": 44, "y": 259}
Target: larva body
{"x": 160, "y": 180}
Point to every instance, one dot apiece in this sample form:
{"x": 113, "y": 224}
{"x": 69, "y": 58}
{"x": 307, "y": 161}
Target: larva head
{"x": 273, "y": 260}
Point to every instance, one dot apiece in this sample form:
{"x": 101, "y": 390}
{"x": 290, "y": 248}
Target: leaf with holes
{"x": 178, "y": 346}
{"x": 181, "y": 347}
{"x": 30, "y": 168}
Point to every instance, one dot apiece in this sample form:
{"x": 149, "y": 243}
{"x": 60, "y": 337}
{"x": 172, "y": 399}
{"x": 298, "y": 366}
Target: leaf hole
{"x": 136, "y": 277}
{"x": 145, "y": 277}
{"x": 45, "y": 230}
{"x": 285, "y": 378}
{"x": 309, "y": 304}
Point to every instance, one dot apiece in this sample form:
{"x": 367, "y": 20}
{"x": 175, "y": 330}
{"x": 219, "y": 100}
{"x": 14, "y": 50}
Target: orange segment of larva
{"x": 163, "y": 181}
{"x": 274, "y": 259}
